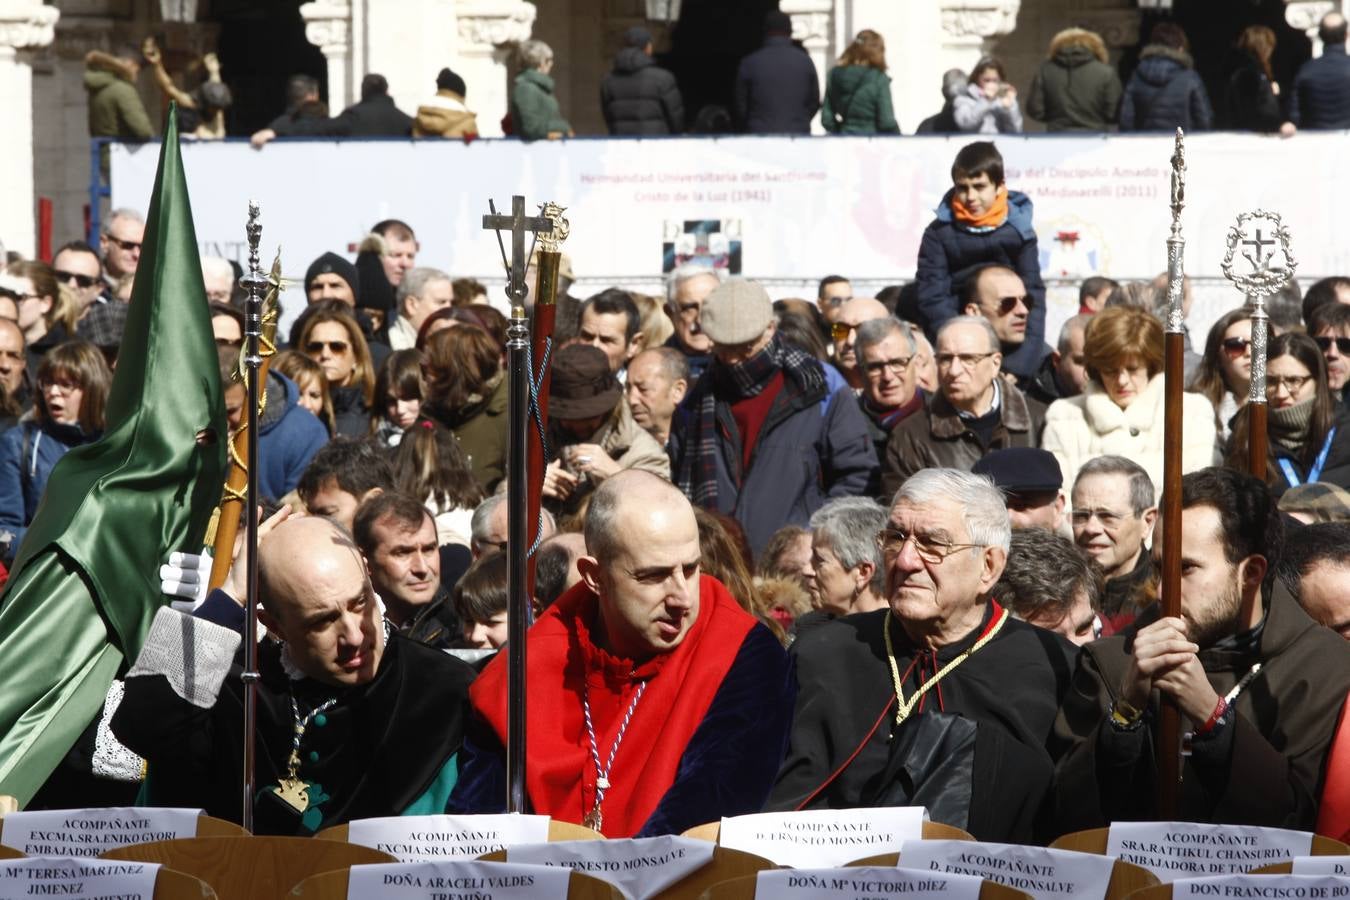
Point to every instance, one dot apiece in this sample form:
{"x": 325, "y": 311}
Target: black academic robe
{"x": 991, "y": 780}
{"x": 1265, "y": 768}
{"x": 382, "y": 748}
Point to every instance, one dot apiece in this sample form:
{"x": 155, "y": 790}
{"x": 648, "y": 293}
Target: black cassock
{"x": 385, "y": 748}
{"x": 979, "y": 751}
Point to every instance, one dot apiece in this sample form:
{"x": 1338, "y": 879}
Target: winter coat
{"x": 288, "y": 437}
{"x": 445, "y": 115}
{"x": 376, "y": 116}
{"x": 626, "y": 443}
{"x": 481, "y": 428}
{"x": 1249, "y": 102}
{"x": 1321, "y": 94}
{"x": 777, "y": 91}
{"x": 351, "y": 415}
{"x": 974, "y": 113}
{"x": 115, "y": 108}
{"x": 858, "y": 101}
{"x": 937, "y": 436}
{"x": 1335, "y": 471}
{"x": 1165, "y": 93}
{"x": 640, "y": 97}
{"x": 950, "y": 253}
{"x": 28, "y": 453}
{"x": 1080, "y": 428}
{"x": 534, "y": 110}
{"x": 813, "y": 446}
{"x": 1075, "y": 89}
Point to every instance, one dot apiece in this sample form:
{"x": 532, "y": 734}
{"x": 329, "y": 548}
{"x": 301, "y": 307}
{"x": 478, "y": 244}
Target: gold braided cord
{"x": 266, "y": 348}
{"x": 905, "y": 707}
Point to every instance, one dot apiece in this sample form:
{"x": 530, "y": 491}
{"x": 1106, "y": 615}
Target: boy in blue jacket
{"x": 979, "y": 223}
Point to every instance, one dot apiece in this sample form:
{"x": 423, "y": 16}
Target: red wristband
{"x": 1219, "y": 709}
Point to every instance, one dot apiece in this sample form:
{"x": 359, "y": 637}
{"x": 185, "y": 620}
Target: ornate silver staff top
{"x": 1176, "y": 244}
{"x": 1264, "y": 280}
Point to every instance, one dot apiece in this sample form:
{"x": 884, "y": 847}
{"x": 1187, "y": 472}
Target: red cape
{"x": 560, "y": 775}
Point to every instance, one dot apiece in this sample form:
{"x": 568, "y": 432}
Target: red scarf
{"x": 560, "y": 774}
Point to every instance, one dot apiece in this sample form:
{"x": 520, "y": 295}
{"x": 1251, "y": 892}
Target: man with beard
{"x": 1259, "y": 685}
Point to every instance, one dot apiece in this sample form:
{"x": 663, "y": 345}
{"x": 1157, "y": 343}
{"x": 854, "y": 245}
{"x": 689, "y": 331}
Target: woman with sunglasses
{"x": 1308, "y": 433}
{"x": 1224, "y": 374}
{"x": 1120, "y": 413}
{"x": 333, "y": 339}
{"x": 47, "y": 311}
{"x": 73, "y": 381}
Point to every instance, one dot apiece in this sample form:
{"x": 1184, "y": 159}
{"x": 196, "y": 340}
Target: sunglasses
{"x": 1342, "y": 344}
{"x": 1008, "y": 304}
{"x": 1238, "y": 346}
{"x": 333, "y": 346}
{"x": 84, "y": 281}
{"x": 125, "y": 245}
{"x": 839, "y": 330}
{"x": 16, "y": 296}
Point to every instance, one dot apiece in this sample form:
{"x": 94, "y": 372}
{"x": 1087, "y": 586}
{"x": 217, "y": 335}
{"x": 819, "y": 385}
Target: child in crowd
{"x": 430, "y": 465}
{"x": 480, "y": 600}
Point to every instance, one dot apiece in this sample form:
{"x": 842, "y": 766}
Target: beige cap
{"x": 737, "y": 312}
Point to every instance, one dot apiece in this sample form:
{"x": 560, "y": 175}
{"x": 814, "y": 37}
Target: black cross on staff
{"x": 1258, "y": 245}
{"x": 518, "y": 223}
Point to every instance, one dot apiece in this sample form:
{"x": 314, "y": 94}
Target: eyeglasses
{"x": 1326, "y": 342}
{"x": 1008, "y": 304}
{"x": 84, "y": 281}
{"x": 65, "y": 387}
{"x": 1236, "y": 346}
{"x": 1291, "y": 383}
{"x": 894, "y": 366}
{"x": 333, "y": 346}
{"x": 128, "y": 246}
{"x": 1110, "y": 520}
{"x": 968, "y": 360}
{"x": 836, "y": 301}
{"x": 892, "y": 542}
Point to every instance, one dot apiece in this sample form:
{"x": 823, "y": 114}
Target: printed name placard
{"x": 1322, "y": 865}
{"x": 863, "y": 883}
{"x": 1043, "y": 873}
{"x": 639, "y": 867}
{"x": 823, "y": 837}
{"x": 89, "y": 832}
{"x": 463, "y": 878}
{"x": 76, "y": 879}
{"x": 1262, "y": 887}
{"x": 1173, "y": 850}
{"x": 430, "y": 838}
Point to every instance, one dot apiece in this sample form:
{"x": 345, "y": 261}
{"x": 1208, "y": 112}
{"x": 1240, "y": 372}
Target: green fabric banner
{"x": 85, "y": 584}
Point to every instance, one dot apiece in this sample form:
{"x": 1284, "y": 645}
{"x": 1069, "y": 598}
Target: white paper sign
{"x": 640, "y": 867}
{"x": 1173, "y": 850}
{"x": 431, "y": 838}
{"x": 823, "y": 837}
{"x": 76, "y": 879}
{"x": 1322, "y": 865}
{"x": 463, "y": 878}
{"x": 89, "y": 832}
{"x": 863, "y": 883}
{"x": 1040, "y": 872}
{"x": 1262, "y": 887}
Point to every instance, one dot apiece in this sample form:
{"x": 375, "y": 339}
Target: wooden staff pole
{"x": 545, "y": 315}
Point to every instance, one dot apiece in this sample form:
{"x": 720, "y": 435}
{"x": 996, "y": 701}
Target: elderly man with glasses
{"x": 941, "y": 699}
{"x": 975, "y": 411}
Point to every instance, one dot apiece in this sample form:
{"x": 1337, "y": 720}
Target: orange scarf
{"x": 995, "y": 216}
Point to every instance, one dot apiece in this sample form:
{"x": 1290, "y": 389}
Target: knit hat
{"x": 583, "y": 386}
{"x": 331, "y": 263}
{"x": 736, "y": 312}
{"x": 447, "y": 80}
{"x": 637, "y": 36}
{"x": 1021, "y": 470}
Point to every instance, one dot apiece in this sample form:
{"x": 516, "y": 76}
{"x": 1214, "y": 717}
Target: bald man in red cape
{"x": 656, "y": 702}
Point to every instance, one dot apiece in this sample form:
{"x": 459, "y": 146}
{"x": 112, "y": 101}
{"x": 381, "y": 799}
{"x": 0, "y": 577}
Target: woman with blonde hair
{"x": 47, "y": 311}
{"x": 334, "y": 340}
{"x": 1121, "y": 411}
{"x": 858, "y": 90}
{"x": 311, "y": 381}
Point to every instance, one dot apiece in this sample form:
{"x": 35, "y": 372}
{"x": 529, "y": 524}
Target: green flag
{"x": 85, "y": 585}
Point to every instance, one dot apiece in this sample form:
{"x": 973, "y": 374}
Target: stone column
{"x": 813, "y": 25}
{"x": 25, "y": 25}
{"x": 969, "y": 28}
{"x": 1306, "y": 14}
{"x": 328, "y": 27}
{"x": 489, "y": 31}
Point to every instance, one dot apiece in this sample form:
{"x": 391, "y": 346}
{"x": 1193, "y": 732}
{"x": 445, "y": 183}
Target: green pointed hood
{"x": 117, "y": 507}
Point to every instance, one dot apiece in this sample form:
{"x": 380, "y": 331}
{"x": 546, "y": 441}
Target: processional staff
{"x": 1167, "y": 748}
{"x": 519, "y": 476}
{"x": 1263, "y": 281}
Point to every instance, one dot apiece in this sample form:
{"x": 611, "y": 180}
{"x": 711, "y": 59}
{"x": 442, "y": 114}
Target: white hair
{"x": 534, "y": 54}
{"x": 681, "y": 274}
{"x": 122, "y": 212}
{"x": 978, "y": 321}
{"x": 216, "y": 267}
{"x": 850, "y": 526}
{"x": 984, "y": 510}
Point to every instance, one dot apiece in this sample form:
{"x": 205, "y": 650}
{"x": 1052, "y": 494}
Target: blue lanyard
{"x": 1315, "y": 472}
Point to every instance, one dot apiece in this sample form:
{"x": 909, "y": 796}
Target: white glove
{"x": 186, "y": 575}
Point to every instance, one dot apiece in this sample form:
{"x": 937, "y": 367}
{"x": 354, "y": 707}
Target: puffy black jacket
{"x": 640, "y": 97}
{"x": 1165, "y": 93}
{"x": 1321, "y": 94}
{"x": 777, "y": 91}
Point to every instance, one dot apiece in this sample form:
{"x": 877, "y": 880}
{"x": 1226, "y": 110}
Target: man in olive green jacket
{"x": 115, "y": 108}
{"x": 1075, "y": 89}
